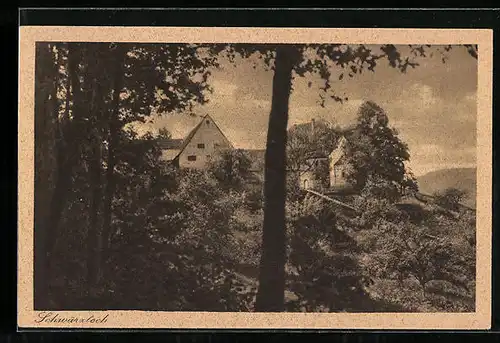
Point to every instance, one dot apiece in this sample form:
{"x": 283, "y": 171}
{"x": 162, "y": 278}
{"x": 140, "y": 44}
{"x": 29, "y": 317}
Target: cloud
{"x": 342, "y": 114}
{"x": 224, "y": 88}
{"x": 424, "y": 95}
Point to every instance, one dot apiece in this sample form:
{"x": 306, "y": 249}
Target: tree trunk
{"x": 271, "y": 291}
{"x": 67, "y": 155}
{"x": 113, "y": 130}
{"x": 93, "y": 235}
{"x": 45, "y": 167}
{"x": 95, "y": 106}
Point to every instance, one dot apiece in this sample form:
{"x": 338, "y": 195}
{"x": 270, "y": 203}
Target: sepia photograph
{"x": 256, "y": 177}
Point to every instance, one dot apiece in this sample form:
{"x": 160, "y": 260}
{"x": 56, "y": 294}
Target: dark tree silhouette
{"x": 86, "y": 93}
{"x": 376, "y": 155}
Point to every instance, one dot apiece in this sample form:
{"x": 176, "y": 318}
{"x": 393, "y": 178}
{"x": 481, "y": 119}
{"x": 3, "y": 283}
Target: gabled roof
{"x": 218, "y": 128}
{"x": 190, "y": 135}
{"x": 337, "y": 154}
{"x": 182, "y": 143}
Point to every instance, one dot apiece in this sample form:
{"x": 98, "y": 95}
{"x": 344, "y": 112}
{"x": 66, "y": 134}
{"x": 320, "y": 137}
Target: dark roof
{"x": 301, "y": 125}
{"x": 170, "y": 143}
{"x": 315, "y": 155}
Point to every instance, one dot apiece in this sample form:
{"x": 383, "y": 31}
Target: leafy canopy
{"x": 376, "y": 156}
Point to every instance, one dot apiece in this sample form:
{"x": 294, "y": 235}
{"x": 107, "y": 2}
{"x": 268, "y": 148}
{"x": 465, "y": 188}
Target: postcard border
{"x": 481, "y": 319}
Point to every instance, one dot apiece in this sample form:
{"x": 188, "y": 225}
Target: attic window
{"x": 201, "y": 146}
{"x": 208, "y": 122}
{"x": 191, "y": 158}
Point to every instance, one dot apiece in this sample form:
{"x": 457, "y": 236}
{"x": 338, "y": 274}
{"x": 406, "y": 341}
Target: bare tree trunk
{"x": 271, "y": 291}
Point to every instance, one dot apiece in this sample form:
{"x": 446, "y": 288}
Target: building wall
{"x": 337, "y": 175}
{"x": 195, "y": 156}
{"x": 307, "y": 180}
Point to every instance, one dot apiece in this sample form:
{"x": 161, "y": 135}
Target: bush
{"x": 325, "y": 274}
{"x": 437, "y": 252}
{"x": 450, "y": 198}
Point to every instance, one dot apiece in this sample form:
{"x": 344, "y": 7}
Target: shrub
{"x": 450, "y": 198}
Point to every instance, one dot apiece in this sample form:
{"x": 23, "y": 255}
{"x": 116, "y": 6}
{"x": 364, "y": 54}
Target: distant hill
{"x": 461, "y": 178}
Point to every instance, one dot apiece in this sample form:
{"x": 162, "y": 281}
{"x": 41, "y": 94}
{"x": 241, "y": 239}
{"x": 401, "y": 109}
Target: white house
{"x": 194, "y": 151}
{"x": 206, "y": 139}
{"x": 338, "y": 167}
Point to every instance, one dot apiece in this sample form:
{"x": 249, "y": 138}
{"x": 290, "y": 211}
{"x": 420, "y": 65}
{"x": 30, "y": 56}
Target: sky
{"x": 433, "y": 106}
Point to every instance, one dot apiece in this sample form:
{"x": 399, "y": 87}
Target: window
{"x": 216, "y": 145}
{"x": 191, "y": 158}
{"x": 201, "y": 146}
{"x": 208, "y": 122}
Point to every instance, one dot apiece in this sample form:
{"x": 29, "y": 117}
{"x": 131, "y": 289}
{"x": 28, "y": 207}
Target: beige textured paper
{"x": 480, "y": 319}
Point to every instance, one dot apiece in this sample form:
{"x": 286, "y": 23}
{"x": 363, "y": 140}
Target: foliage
{"x": 408, "y": 296}
{"x": 231, "y": 168}
{"x": 303, "y": 142}
{"x": 437, "y": 252}
{"x": 174, "y": 246}
{"x": 450, "y": 198}
{"x": 377, "y": 156}
{"x": 191, "y": 229}
{"x": 380, "y": 188}
{"x": 164, "y": 133}
{"x": 321, "y": 174}
{"x": 293, "y": 191}
{"x": 94, "y": 90}
{"x": 325, "y": 274}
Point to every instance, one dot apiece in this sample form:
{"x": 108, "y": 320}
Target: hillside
{"x": 461, "y": 178}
